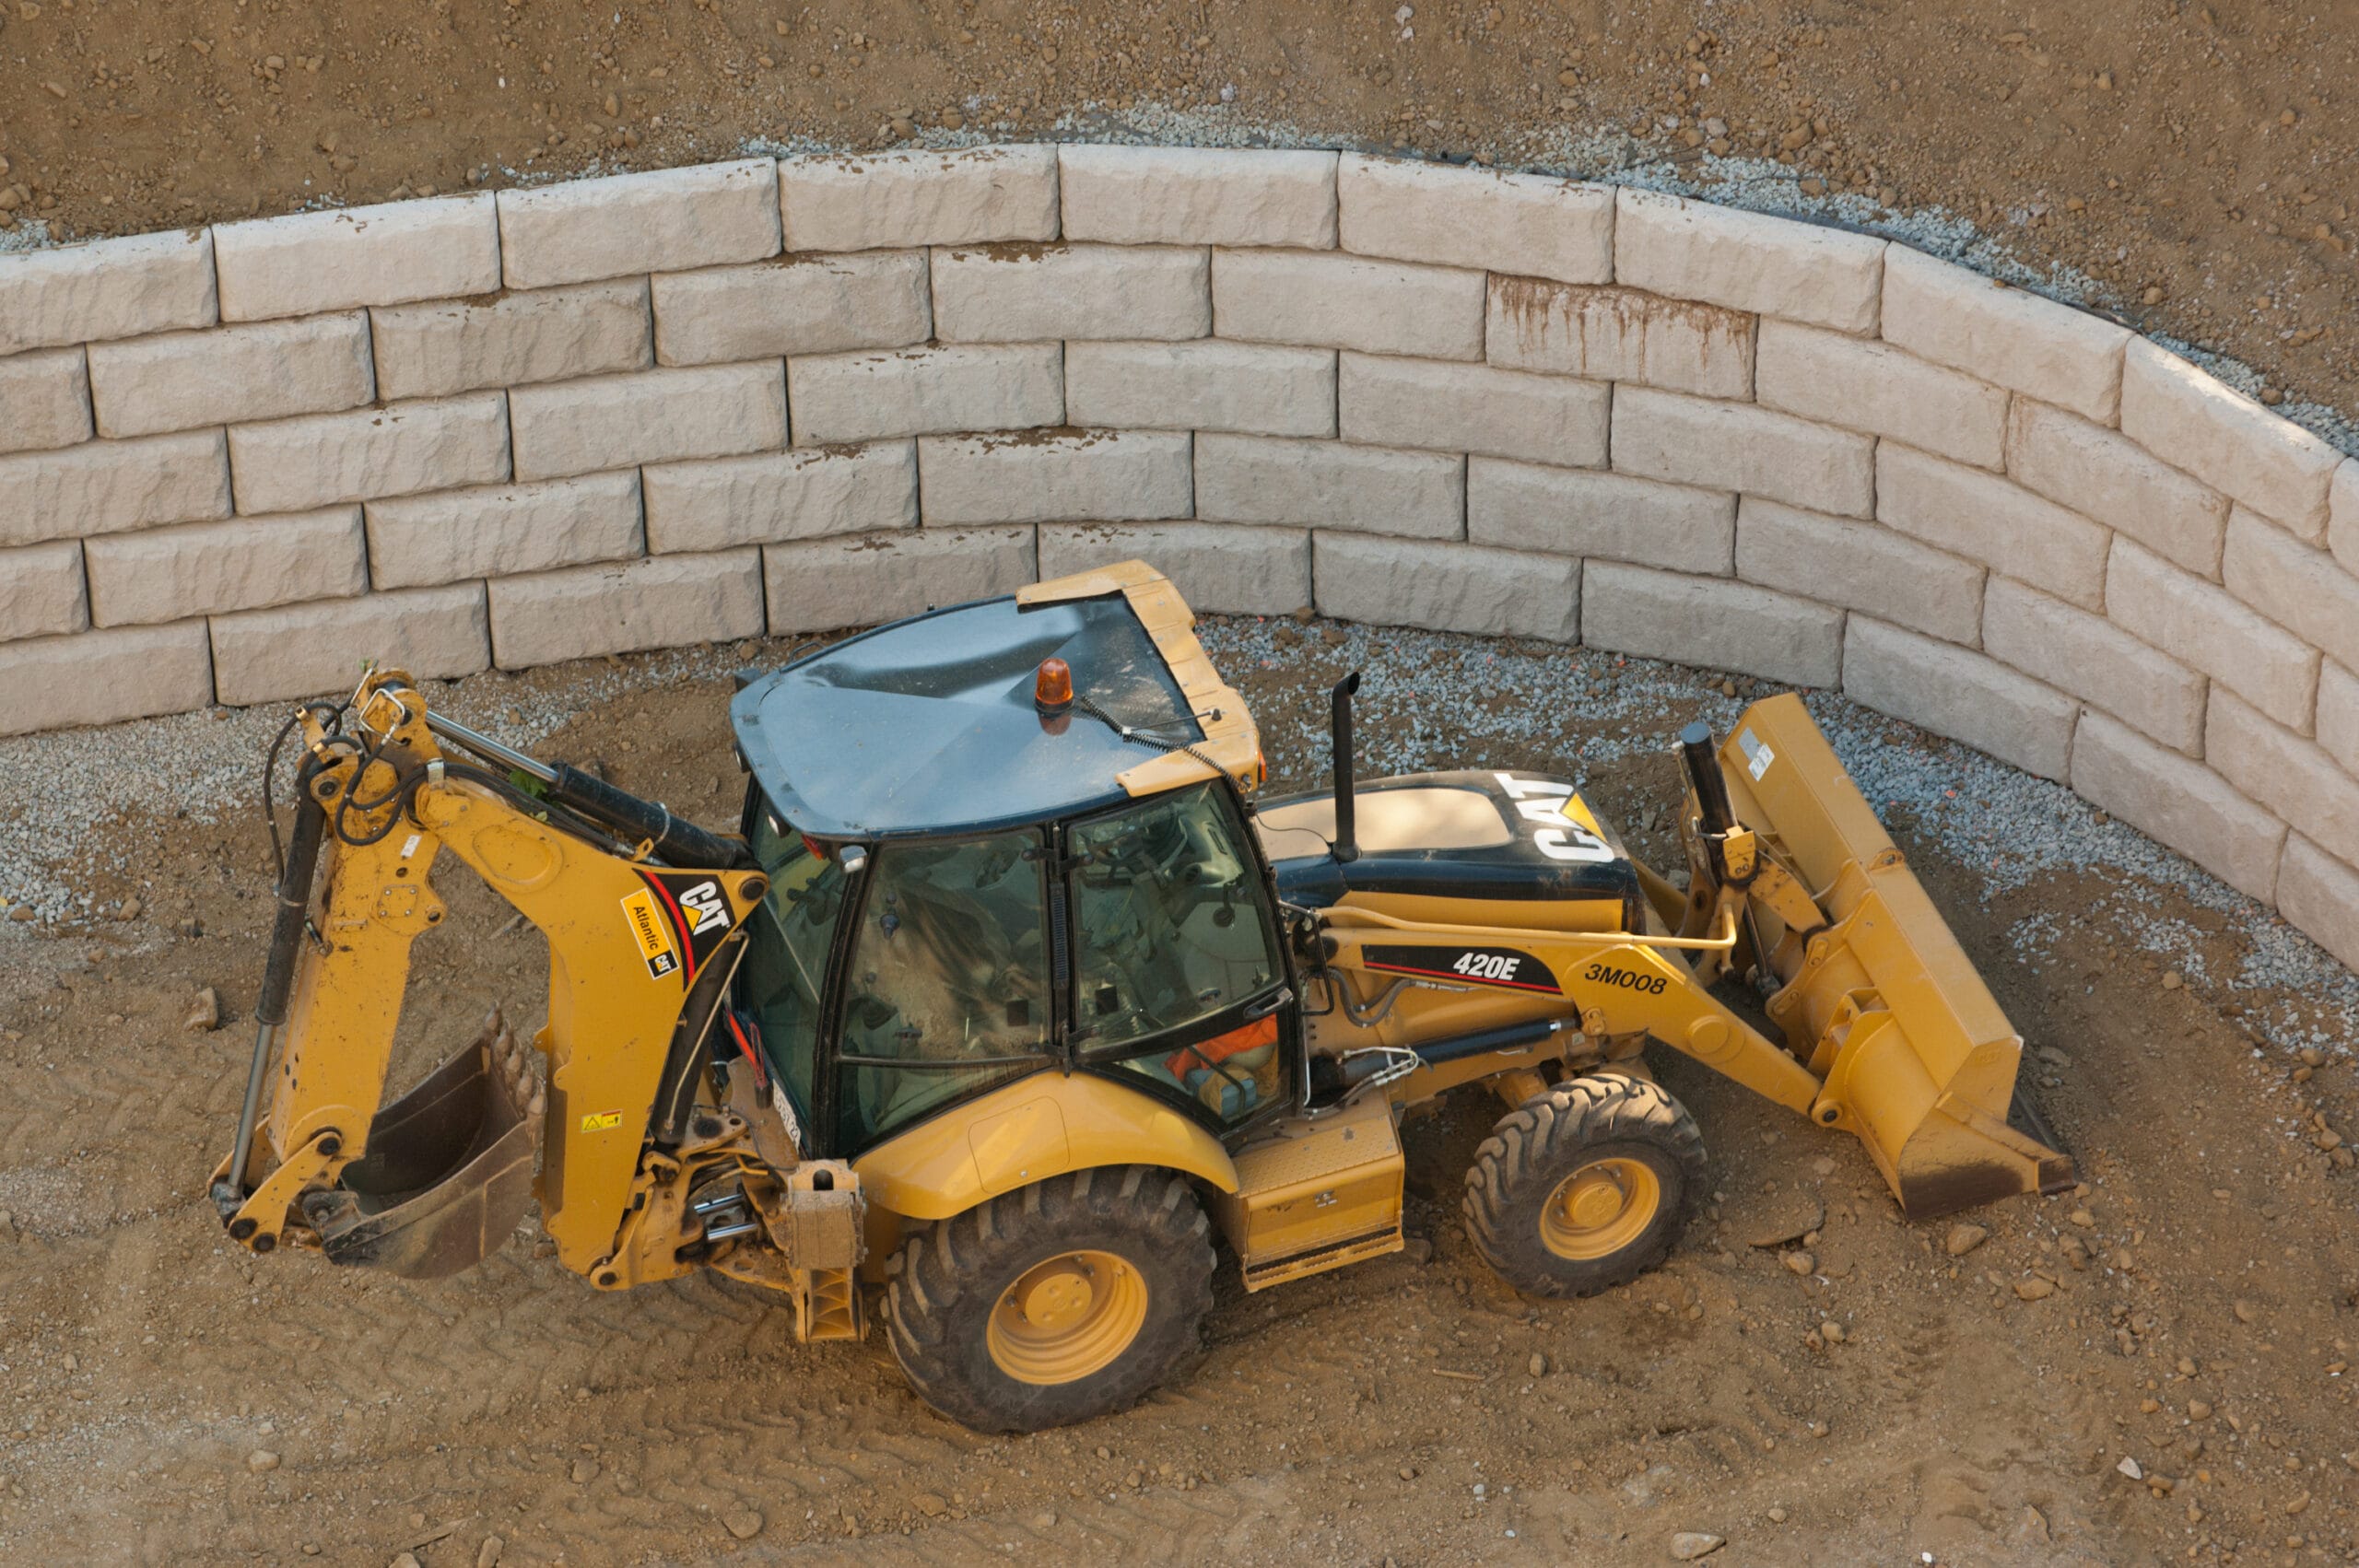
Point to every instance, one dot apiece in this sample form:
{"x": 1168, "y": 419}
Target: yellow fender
{"x": 1037, "y": 1127}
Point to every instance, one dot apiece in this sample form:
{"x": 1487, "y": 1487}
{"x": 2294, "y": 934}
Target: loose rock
{"x": 1799, "y": 1262}
{"x": 1539, "y": 1365}
{"x": 744, "y": 1523}
{"x": 204, "y": 1012}
{"x": 1689, "y": 1545}
{"x": 262, "y": 1461}
{"x": 488, "y": 1555}
{"x": 2035, "y": 1289}
{"x": 1963, "y": 1239}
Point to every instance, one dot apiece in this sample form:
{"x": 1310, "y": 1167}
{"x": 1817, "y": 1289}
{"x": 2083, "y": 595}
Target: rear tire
{"x": 1056, "y": 1302}
{"x": 1584, "y": 1188}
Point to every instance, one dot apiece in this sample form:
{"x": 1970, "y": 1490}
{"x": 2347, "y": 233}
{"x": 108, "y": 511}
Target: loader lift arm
{"x": 644, "y": 915}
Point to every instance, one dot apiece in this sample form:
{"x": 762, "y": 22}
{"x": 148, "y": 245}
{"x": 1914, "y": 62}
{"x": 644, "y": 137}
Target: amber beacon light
{"x": 1052, "y": 687}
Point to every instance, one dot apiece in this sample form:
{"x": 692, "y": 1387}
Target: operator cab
{"x": 972, "y": 880}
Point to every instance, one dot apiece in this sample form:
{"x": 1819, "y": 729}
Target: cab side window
{"x": 948, "y": 985}
{"x": 1168, "y": 931}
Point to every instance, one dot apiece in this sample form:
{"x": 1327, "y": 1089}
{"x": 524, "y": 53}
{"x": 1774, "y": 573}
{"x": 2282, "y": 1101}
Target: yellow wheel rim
{"x": 1600, "y": 1208}
{"x": 1067, "y": 1318}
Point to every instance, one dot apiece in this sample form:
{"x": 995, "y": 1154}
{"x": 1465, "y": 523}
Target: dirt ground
{"x": 166, "y": 1398}
{"x": 2193, "y": 161}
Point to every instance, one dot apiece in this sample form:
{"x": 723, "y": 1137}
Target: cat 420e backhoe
{"x": 1010, "y": 977}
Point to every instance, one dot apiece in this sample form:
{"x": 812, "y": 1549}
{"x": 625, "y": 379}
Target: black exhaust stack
{"x": 1346, "y": 830}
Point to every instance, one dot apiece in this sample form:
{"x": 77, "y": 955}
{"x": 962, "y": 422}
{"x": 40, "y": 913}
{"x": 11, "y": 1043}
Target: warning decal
{"x": 652, "y": 933}
{"x": 602, "y": 1121}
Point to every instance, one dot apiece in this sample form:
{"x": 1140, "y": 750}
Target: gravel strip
{"x": 1429, "y": 700}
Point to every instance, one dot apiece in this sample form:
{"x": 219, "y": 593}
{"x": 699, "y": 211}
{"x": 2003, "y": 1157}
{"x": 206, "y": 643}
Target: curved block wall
{"x": 781, "y": 396}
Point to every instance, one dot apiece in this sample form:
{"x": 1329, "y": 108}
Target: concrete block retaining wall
{"x": 762, "y": 396}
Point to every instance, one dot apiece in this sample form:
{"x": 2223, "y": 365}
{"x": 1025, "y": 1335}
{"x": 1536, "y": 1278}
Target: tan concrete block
{"x": 40, "y": 591}
{"x": 1330, "y": 485}
{"x": 2179, "y": 801}
{"x": 1567, "y": 512}
{"x": 824, "y": 584}
{"x": 1472, "y": 408}
{"x": 2300, "y": 589}
{"x": 148, "y": 386}
{"x": 105, "y": 487}
{"x": 1983, "y": 518}
{"x": 1734, "y": 446}
{"x": 310, "y": 263}
{"x": 1861, "y": 384}
{"x": 1024, "y": 293}
{"x": 300, "y": 650}
{"x": 647, "y": 416}
{"x": 1860, "y": 566}
{"x": 915, "y": 196}
{"x": 1457, "y": 588}
{"x": 1087, "y": 477}
{"x": 396, "y": 450}
{"x": 53, "y": 683}
{"x": 107, "y": 288}
{"x": 2342, "y": 517}
{"x": 1619, "y": 334}
{"x": 207, "y": 568}
{"x": 2096, "y": 660}
{"x": 1210, "y": 384}
{"x": 44, "y": 400}
{"x": 2112, "y": 478}
{"x": 626, "y": 606}
{"x": 1531, "y": 224}
{"x": 2204, "y": 625}
{"x": 775, "y": 496}
{"x": 1197, "y": 195}
{"x": 2005, "y": 335}
{"x": 2339, "y": 715}
{"x": 1711, "y": 623}
{"x": 921, "y": 391}
{"x": 797, "y": 304}
{"x": 1943, "y": 687}
{"x": 503, "y": 530}
{"x": 2321, "y": 896}
{"x": 1219, "y": 570}
{"x": 2226, "y": 439}
{"x": 1691, "y": 250}
{"x": 509, "y": 339}
{"x": 2294, "y": 777}
{"x": 1341, "y": 301}
{"x": 664, "y": 220}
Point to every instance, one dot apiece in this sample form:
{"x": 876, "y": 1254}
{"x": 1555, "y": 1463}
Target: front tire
{"x": 1055, "y": 1303}
{"x": 1584, "y": 1188}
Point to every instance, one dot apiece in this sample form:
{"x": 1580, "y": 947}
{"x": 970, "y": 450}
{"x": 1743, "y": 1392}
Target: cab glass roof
{"x": 927, "y": 725}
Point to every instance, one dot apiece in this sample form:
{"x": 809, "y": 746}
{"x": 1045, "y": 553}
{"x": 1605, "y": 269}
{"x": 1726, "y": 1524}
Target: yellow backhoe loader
{"x": 1011, "y": 993}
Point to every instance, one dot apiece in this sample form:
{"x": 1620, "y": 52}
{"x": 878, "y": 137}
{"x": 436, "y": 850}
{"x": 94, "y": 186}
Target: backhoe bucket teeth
{"x": 448, "y": 1171}
{"x": 1881, "y": 1003}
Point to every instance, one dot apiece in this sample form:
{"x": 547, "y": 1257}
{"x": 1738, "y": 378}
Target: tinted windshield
{"x": 948, "y": 986}
{"x": 786, "y": 959}
{"x": 1168, "y": 918}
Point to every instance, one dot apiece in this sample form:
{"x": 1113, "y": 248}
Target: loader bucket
{"x": 448, "y": 1170}
{"x": 1913, "y": 1052}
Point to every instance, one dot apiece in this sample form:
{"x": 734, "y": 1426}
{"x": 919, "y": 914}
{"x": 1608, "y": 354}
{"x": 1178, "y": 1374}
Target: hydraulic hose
{"x": 670, "y": 839}
{"x": 294, "y": 897}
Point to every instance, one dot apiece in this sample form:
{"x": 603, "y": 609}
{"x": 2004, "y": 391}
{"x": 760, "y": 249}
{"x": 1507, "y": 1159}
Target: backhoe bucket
{"x": 1913, "y": 1052}
{"x": 448, "y": 1170}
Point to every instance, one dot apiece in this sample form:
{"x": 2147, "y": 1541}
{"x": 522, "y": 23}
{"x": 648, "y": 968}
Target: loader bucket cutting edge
{"x": 1918, "y": 1058}
{"x": 447, "y": 1174}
